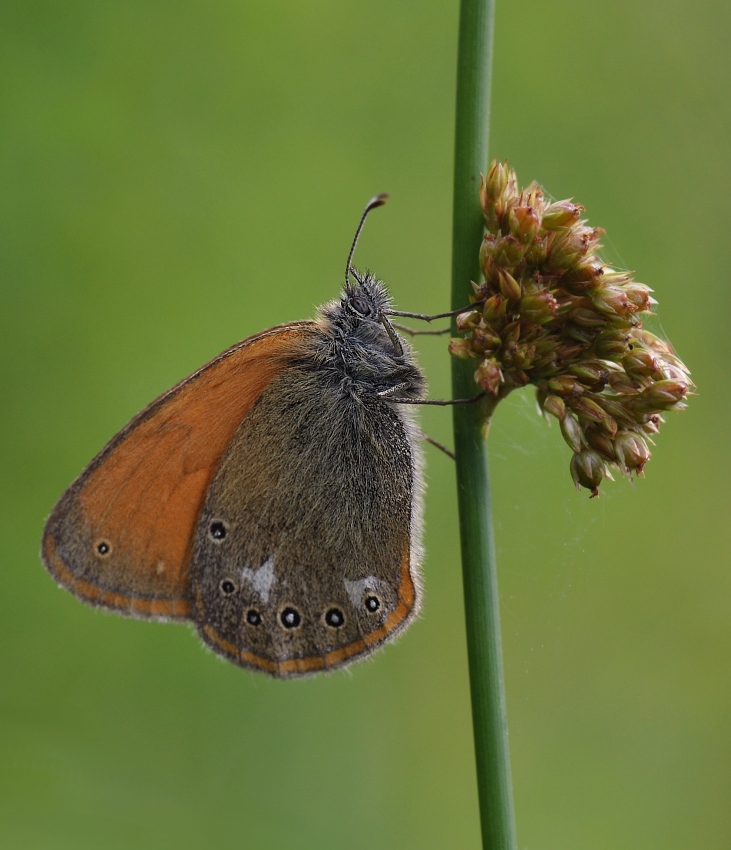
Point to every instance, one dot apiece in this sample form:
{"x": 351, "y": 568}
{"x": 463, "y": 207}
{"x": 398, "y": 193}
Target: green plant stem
{"x": 473, "y": 483}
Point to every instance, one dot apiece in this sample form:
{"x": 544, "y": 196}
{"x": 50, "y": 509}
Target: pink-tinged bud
{"x": 585, "y": 317}
{"x": 539, "y": 308}
{"x": 523, "y": 223}
{"x": 568, "y": 249}
{"x": 494, "y": 185}
{"x": 664, "y": 394}
{"x": 489, "y": 376}
{"x": 509, "y": 286}
{"x": 561, "y": 214}
{"x": 609, "y": 426}
{"x": 572, "y": 433}
{"x": 638, "y": 296}
{"x": 610, "y": 300}
{"x": 486, "y": 251}
{"x": 618, "y": 411}
{"x": 507, "y": 252}
{"x": 485, "y": 339}
{"x": 587, "y": 470}
{"x": 555, "y": 406}
{"x": 588, "y": 408}
{"x": 640, "y": 363}
{"x": 460, "y": 348}
{"x": 621, "y": 383}
{"x": 591, "y": 374}
{"x": 582, "y": 278}
{"x": 654, "y": 343}
{"x": 468, "y": 321}
{"x": 536, "y": 252}
{"x": 632, "y": 451}
{"x": 601, "y": 443}
{"x": 494, "y": 309}
{"x": 565, "y": 386}
{"x": 611, "y": 344}
{"x": 652, "y": 425}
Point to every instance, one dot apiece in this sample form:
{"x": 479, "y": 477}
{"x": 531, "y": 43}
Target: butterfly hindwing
{"x": 303, "y": 555}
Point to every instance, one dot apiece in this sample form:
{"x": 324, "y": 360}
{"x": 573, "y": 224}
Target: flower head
{"x": 552, "y": 313}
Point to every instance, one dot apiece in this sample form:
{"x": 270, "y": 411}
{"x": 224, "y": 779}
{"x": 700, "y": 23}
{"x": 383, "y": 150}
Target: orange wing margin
{"x": 121, "y": 536}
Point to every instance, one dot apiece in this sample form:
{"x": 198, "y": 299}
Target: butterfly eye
{"x": 360, "y": 305}
{"x": 103, "y": 547}
{"x": 227, "y": 587}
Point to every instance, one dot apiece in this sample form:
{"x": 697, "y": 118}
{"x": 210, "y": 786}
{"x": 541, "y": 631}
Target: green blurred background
{"x": 175, "y": 176}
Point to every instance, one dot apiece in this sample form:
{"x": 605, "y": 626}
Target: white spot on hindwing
{"x": 356, "y": 589}
{"x": 260, "y": 580}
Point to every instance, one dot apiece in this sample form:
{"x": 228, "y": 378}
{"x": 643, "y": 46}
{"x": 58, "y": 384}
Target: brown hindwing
{"x": 122, "y": 535}
{"x": 304, "y": 558}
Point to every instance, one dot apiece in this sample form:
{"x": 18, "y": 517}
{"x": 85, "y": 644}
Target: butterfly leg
{"x": 425, "y": 317}
{"x": 407, "y": 330}
{"x": 438, "y": 445}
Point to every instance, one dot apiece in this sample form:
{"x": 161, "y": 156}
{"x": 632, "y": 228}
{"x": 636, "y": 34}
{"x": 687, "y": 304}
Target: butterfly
{"x": 272, "y": 498}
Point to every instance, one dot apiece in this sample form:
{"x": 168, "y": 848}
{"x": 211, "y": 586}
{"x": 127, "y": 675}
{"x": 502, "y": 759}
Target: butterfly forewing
{"x": 121, "y": 536}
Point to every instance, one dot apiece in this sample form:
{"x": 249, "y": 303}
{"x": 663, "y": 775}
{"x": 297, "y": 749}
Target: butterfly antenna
{"x": 378, "y": 201}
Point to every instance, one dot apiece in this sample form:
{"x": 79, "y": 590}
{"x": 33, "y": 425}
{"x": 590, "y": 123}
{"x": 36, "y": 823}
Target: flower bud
{"x": 509, "y": 286}
{"x": 588, "y": 408}
{"x": 632, "y": 451}
{"x": 572, "y": 433}
{"x": 461, "y": 348}
{"x": 585, "y": 317}
{"x": 587, "y": 470}
{"x": 560, "y": 214}
{"x": 536, "y": 252}
{"x": 523, "y": 222}
{"x": 621, "y": 383}
{"x": 540, "y": 307}
{"x": 640, "y": 363}
{"x": 468, "y": 321}
{"x": 663, "y": 394}
{"x": 565, "y": 386}
{"x": 618, "y": 411}
{"x": 485, "y": 339}
{"x": 611, "y": 344}
{"x": 568, "y": 249}
{"x": 611, "y": 300}
{"x": 494, "y": 185}
{"x": 494, "y": 309}
{"x": 507, "y": 252}
{"x": 582, "y": 278}
{"x": 585, "y": 336}
{"x": 601, "y": 443}
{"x": 489, "y": 376}
{"x": 638, "y": 296}
{"x": 555, "y": 406}
{"x": 590, "y": 373}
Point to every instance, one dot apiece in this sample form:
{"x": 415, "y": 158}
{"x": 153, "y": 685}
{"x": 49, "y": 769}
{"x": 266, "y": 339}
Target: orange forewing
{"x": 141, "y": 496}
